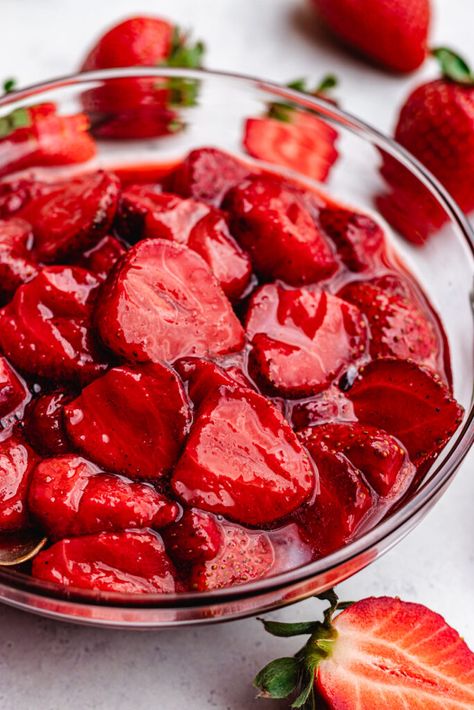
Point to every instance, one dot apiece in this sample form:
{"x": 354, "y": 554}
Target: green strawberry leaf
{"x": 284, "y": 630}
{"x": 283, "y": 111}
{"x": 278, "y": 679}
{"x": 307, "y": 694}
{"x": 20, "y": 118}
{"x": 9, "y": 85}
{"x": 453, "y": 66}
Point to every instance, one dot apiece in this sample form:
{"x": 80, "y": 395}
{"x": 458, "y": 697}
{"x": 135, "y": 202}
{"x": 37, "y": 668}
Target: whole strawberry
{"x": 392, "y": 33}
{"x": 379, "y": 653}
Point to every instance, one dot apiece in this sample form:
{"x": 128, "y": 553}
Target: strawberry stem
{"x": 453, "y": 66}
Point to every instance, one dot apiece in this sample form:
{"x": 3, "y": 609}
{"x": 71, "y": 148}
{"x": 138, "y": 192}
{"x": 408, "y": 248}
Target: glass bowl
{"x": 444, "y": 266}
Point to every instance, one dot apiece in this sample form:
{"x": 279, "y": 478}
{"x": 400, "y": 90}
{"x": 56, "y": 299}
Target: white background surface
{"x": 52, "y": 666}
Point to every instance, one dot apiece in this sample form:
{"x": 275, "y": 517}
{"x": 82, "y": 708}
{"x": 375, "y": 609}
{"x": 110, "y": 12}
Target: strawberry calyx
{"x": 295, "y": 675}
{"x": 9, "y": 85}
{"x": 19, "y": 118}
{"x": 453, "y": 66}
{"x": 186, "y": 55}
{"x": 283, "y": 111}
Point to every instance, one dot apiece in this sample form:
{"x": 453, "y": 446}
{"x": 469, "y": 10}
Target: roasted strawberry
{"x": 43, "y": 424}
{"x": 70, "y": 496}
{"x": 205, "y": 376}
{"x": 408, "y": 401}
{"x": 16, "y": 464}
{"x": 46, "y": 329}
{"x": 206, "y": 174}
{"x": 398, "y": 326}
{"x": 301, "y": 339}
{"x": 393, "y": 33}
{"x": 102, "y": 256}
{"x": 244, "y": 556}
{"x": 293, "y": 138}
{"x": 196, "y": 537}
{"x": 378, "y": 653}
{"x": 270, "y": 220}
{"x": 133, "y": 420}
{"x": 358, "y": 238}
{"x": 133, "y": 562}
{"x": 39, "y": 136}
{"x": 13, "y": 391}
{"x": 164, "y": 303}
{"x": 242, "y": 460}
{"x": 329, "y": 405}
{"x": 16, "y": 263}
{"x": 73, "y": 216}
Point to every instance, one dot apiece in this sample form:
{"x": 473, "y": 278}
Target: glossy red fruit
{"x": 70, "y": 496}
{"x": 242, "y": 460}
{"x": 244, "y": 556}
{"x": 206, "y": 174}
{"x": 359, "y": 240}
{"x": 270, "y": 220}
{"x": 45, "y": 331}
{"x": 196, "y": 537}
{"x": 15, "y": 193}
{"x": 329, "y": 405}
{"x": 16, "y": 263}
{"x": 13, "y": 391}
{"x": 204, "y": 377}
{"x": 302, "y": 340}
{"x": 392, "y": 33}
{"x": 133, "y": 420}
{"x": 410, "y": 402}
{"x": 16, "y": 465}
{"x": 300, "y": 141}
{"x": 103, "y": 256}
{"x": 43, "y": 424}
{"x": 163, "y": 303}
{"x": 73, "y": 216}
{"x": 398, "y": 326}
{"x": 38, "y": 136}
{"x": 133, "y": 562}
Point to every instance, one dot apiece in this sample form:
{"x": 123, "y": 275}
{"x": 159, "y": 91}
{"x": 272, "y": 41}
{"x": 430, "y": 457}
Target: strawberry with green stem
{"x": 375, "y": 653}
{"x": 294, "y": 138}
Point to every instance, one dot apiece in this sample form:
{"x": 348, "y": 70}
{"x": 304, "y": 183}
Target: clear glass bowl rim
{"x": 440, "y": 476}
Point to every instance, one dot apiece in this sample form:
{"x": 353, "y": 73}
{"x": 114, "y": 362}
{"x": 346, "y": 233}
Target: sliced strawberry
{"x": 206, "y": 174}
{"x": 270, "y": 220}
{"x": 70, "y": 496}
{"x": 38, "y": 136}
{"x": 16, "y": 263}
{"x": 45, "y": 329}
{"x": 204, "y": 377}
{"x": 359, "y": 240}
{"x": 301, "y": 340}
{"x": 303, "y": 142}
{"x": 133, "y": 420}
{"x": 163, "y": 303}
{"x": 244, "y": 556}
{"x": 43, "y": 424}
{"x": 102, "y": 256}
{"x": 408, "y": 401}
{"x": 196, "y": 537}
{"x": 13, "y": 391}
{"x": 14, "y": 194}
{"x": 132, "y": 562}
{"x": 242, "y": 460}
{"x": 16, "y": 464}
{"x": 329, "y": 405}
{"x": 398, "y": 326}
{"x": 73, "y": 216}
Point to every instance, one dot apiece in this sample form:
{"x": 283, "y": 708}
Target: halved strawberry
{"x": 301, "y": 339}
{"x": 164, "y": 303}
{"x": 196, "y": 537}
{"x": 43, "y": 424}
{"x": 329, "y": 405}
{"x": 46, "y": 329}
{"x": 17, "y": 265}
{"x": 359, "y": 240}
{"x": 13, "y": 391}
{"x": 15, "y": 193}
{"x": 378, "y": 653}
{"x": 133, "y": 420}
{"x": 398, "y": 326}
{"x": 102, "y": 256}
{"x": 70, "y": 496}
{"x": 410, "y": 402}
{"x": 133, "y": 562}
{"x": 206, "y": 174}
{"x": 39, "y": 136}
{"x": 243, "y": 460}
{"x": 16, "y": 465}
{"x": 270, "y": 220}
{"x": 205, "y": 376}
{"x": 73, "y": 216}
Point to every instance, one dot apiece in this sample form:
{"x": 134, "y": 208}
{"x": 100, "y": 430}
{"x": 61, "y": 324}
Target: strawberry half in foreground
{"x": 378, "y": 653}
